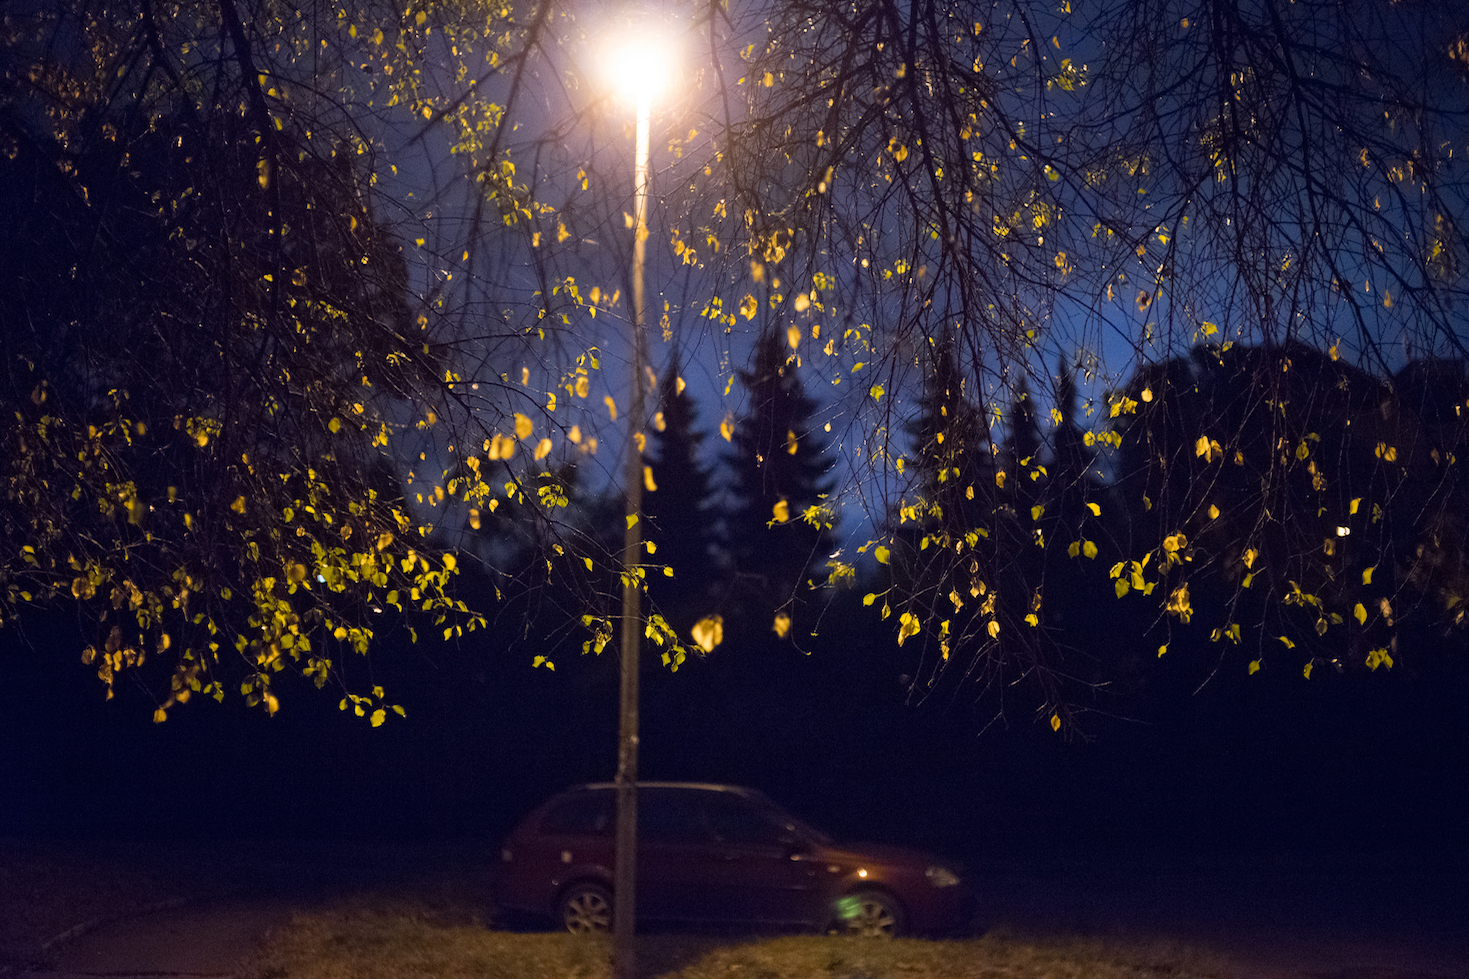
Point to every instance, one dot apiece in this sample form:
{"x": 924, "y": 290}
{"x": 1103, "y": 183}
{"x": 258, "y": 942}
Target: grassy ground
{"x": 370, "y": 941}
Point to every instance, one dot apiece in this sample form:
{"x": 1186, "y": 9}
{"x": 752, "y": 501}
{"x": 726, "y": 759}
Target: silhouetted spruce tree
{"x": 1072, "y": 487}
{"x": 940, "y": 528}
{"x": 952, "y": 450}
{"x": 680, "y": 521}
{"x": 779, "y": 463}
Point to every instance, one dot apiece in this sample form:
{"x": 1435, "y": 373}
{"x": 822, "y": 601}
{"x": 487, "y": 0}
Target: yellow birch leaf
{"x": 1095, "y": 509}
{"x": 782, "y": 625}
{"x": 1055, "y": 722}
{"x": 782, "y": 511}
{"x": 1367, "y": 576}
{"x": 611, "y": 407}
{"x": 1361, "y": 613}
{"x": 749, "y": 307}
{"x": 708, "y": 632}
{"x": 1089, "y": 549}
{"x": 1254, "y": 667}
{"x": 543, "y": 449}
{"x": 648, "y": 483}
{"x": 882, "y": 554}
{"x": 993, "y": 629}
{"x": 1306, "y": 671}
{"x": 726, "y": 427}
{"x": 908, "y": 626}
{"x": 793, "y": 336}
{"x": 523, "y": 426}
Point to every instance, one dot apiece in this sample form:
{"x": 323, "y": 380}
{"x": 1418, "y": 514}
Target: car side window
{"x": 733, "y": 820}
{"x": 587, "y": 814}
{"x": 670, "y": 816}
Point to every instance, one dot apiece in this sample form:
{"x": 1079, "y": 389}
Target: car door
{"x": 755, "y": 876}
{"x": 676, "y": 859}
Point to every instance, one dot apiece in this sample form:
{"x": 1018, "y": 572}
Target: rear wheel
{"x": 870, "y": 914}
{"x": 586, "y": 909}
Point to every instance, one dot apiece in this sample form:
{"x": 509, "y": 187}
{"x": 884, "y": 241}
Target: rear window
{"x": 588, "y": 814}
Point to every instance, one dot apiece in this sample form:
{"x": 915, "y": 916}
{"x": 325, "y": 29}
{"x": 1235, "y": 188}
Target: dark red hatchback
{"x": 720, "y": 853}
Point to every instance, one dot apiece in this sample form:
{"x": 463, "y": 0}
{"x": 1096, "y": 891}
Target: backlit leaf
{"x": 708, "y": 632}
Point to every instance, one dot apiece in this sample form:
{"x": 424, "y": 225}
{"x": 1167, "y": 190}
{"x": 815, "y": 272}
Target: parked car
{"x": 720, "y": 853}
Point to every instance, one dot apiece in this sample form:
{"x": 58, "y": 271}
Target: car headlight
{"x": 941, "y": 877}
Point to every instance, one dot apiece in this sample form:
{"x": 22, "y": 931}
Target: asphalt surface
{"x": 1260, "y": 923}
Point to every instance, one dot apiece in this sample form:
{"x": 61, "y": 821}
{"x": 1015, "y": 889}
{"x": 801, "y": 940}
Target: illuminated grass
{"x": 371, "y": 944}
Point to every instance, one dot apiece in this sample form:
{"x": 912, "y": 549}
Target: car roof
{"x": 701, "y": 786}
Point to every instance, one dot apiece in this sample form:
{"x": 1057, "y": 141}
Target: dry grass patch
{"x": 372, "y": 943}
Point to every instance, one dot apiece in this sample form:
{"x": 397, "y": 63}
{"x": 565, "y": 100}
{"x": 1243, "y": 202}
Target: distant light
{"x": 1343, "y": 531}
{"x": 862, "y": 873}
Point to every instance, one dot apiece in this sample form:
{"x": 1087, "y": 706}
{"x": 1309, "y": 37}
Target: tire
{"x": 870, "y": 914}
{"x": 586, "y": 909}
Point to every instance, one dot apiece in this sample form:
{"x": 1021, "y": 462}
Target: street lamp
{"x": 641, "y": 69}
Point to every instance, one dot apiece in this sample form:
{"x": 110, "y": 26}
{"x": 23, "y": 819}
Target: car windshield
{"x": 792, "y": 823}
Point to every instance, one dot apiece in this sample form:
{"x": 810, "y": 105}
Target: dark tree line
{"x": 296, "y": 293}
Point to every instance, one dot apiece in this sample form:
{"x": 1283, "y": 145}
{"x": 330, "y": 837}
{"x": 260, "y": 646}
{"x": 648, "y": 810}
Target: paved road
{"x": 1250, "y": 925}
{"x": 210, "y": 938}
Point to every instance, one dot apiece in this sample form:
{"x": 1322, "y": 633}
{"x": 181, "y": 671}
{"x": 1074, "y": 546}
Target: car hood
{"x": 881, "y": 854}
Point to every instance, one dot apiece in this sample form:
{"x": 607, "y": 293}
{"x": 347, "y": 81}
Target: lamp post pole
{"x": 625, "y": 871}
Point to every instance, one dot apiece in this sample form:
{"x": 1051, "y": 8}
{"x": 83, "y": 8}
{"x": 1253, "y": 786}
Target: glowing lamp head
{"x": 641, "y": 68}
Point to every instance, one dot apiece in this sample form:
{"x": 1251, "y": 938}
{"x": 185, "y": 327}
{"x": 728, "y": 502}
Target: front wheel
{"x": 586, "y": 909}
{"x": 870, "y": 914}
